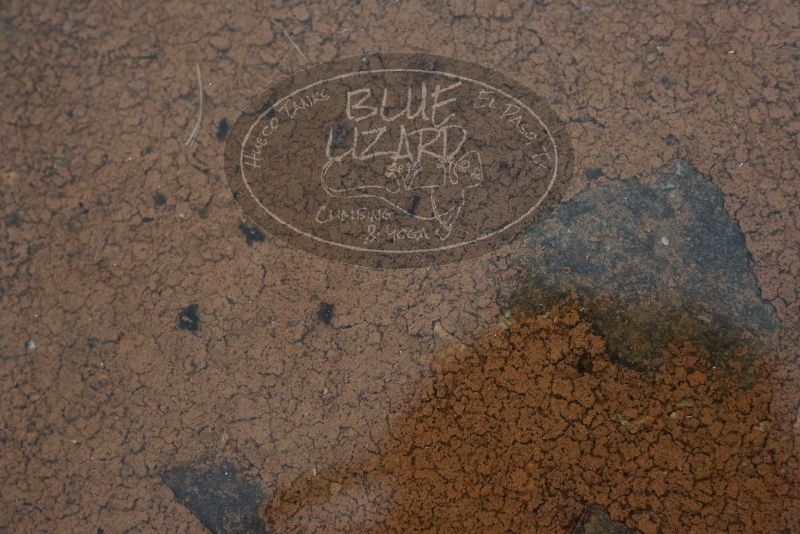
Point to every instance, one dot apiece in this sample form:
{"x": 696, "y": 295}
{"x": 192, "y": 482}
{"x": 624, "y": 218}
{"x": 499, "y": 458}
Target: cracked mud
{"x": 515, "y": 431}
{"x": 151, "y": 334}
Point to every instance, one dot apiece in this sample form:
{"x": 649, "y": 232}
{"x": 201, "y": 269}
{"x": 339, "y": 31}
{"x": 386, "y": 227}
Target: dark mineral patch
{"x": 12, "y": 220}
{"x": 339, "y": 134}
{"x": 222, "y": 499}
{"x": 414, "y": 205}
{"x": 325, "y": 313}
{"x": 251, "y": 234}
{"x": 266, "y": 108}
{"x": 424, "y": 63}
{"x": 593, "y": 174}
{"x": 222, "y": 129}
{"x": 595, "y": 520}
{"x": 188, "y": 319}
{"x": 652, "y": 263}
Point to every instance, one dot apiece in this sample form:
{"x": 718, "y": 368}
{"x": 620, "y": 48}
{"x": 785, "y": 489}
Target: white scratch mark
{"x": 196, "y": 129}
{"x": 289, "y": 38}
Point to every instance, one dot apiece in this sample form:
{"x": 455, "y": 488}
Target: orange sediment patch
{"x": 523, "y": 428}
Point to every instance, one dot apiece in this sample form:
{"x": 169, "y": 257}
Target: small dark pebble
{"x": 251, "y": 235}
{"x": 593, "y": 174}
{"x": 325, "y": 313}
{"x": 222, "y": 129}
{"x": 188, "y": 318}
{"x": 671, "y": 140}
{"x": 159, "y": 199}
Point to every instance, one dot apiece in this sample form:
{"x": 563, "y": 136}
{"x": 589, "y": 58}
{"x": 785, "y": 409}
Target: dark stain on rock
{"x": 651, "y": 263}
{"x": 222, "y": 499}
{"x": 6, "y": 25}
{"x": 595, "y": 520}
{"x": 12, "y": 220}
{"x": 339, "y": 135}
{"x": 189, "y": 319}
{"x": 159, "y": 199}
{"x": 414, "y": 205}
{"x": 425, "y": 63}
{"x": 325, "y": 312}
{"x": 222, "y": 129}
{"x": 267, "y": 109}
{"x": 251, "y": 234}
{"x": 584, "y": 364}
{"x": 593, "y": 174}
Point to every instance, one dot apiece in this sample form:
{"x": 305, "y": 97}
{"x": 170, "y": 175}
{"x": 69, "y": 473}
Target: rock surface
{"x": 654, "y": 262}
{"x": 223, "y": 500}
{"x": 595, "y": 520}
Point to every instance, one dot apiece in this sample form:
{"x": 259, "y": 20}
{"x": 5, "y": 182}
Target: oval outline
{"x": 412, "y": 251}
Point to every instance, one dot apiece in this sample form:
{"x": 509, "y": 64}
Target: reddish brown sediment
{"x": 523, "y": 429}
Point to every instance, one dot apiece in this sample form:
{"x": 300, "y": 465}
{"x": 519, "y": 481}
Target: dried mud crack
{"x": 153, "y": 337}
{"x": 525, "y": 427}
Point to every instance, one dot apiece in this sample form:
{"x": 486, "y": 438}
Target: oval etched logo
{"x": 397, "y": 160}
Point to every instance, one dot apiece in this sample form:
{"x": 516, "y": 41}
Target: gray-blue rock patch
{"x": 652, "y": 263}
{"x": 222, "y": 499}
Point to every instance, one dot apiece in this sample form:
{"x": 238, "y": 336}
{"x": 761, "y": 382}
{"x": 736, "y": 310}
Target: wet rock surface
{"x": 653, "y": 262}
{"x": 595, "y": 520}
{"x": 223, "y": 500}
